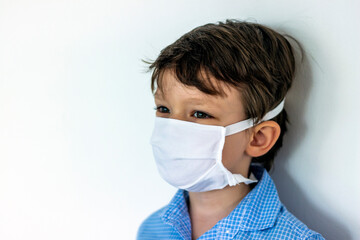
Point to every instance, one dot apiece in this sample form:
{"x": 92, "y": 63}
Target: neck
{"x": 207, "y": 208}
{"x": 211, "y": 202}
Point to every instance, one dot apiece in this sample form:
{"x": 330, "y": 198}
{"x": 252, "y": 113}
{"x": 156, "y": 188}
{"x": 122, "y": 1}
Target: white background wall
{"x": 76, "y": 113}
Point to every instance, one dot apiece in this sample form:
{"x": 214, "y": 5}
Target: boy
{"x": 220, "y": 92}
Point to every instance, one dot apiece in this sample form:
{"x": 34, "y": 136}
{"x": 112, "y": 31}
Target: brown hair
{"x": 251, "y": 57}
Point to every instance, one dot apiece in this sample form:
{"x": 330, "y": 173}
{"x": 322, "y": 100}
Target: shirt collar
{"x": 257, "y": 210}
{"x": 176, "y": 214}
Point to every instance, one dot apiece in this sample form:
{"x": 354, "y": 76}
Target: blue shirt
{"x": 259, "y": 215}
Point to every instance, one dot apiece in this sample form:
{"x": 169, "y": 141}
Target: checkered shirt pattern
{"x": 259, "y": 215}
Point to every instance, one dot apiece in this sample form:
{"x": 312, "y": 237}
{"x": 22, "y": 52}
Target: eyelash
{"x": 206, "y": 115}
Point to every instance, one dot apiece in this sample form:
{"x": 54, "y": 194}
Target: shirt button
{"x": 227, "y": 231}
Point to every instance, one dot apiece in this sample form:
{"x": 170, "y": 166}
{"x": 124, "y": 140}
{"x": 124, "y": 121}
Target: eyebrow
{"x": 195, "y": 100}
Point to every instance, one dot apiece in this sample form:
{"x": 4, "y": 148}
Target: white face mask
{"x": 189, "y": 155}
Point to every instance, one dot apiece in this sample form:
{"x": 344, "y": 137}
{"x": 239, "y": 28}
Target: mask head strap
{"x": 248, "y": 123}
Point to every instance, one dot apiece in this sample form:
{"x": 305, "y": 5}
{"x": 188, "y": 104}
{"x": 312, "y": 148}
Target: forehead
{"x": 167, "y": 79}
{"x": 171, "y": 87}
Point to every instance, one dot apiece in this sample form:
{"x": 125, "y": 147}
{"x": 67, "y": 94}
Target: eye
{"x": 162, "y": 109}
{"x": 199, "y": 114}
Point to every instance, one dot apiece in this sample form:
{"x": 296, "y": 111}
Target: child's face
{"x": 187, "y": 103}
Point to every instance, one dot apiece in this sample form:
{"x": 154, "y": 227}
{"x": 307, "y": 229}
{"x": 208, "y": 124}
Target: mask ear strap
{"x": 248, "y": 123}
{"x": 239, "y": 126}
{"x": 273, "y": 113}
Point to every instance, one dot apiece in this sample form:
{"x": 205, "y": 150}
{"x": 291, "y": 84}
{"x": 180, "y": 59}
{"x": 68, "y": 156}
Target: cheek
{"x": 234, "y": 151}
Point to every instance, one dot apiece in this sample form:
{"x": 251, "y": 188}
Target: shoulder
{"x": 291, "y": 227}
{"x": 274, "y": 221}
{"x": 153, "y": 227}
{"x": 284, "y": 226}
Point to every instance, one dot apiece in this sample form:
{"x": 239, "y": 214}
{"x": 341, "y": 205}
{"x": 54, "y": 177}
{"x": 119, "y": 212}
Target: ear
{"x": 263, "y": 138}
